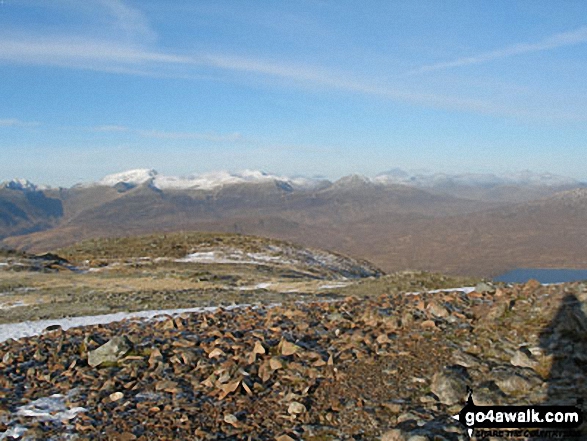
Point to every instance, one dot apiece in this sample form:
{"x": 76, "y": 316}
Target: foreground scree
{"x": 390, "y": 367}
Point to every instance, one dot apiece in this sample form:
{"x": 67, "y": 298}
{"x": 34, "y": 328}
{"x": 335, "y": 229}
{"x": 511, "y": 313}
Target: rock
{"x": 408, "y": 416}
{"x": 450, "y": 385}
{"x": 524, "y": 358}
{"x": 488, "y": 395}
{"x": 296, "y": 408}
{"x": 216, "y": 353}
{"x": 465, "y": 359}
{"x": 484, "y": 287}
{"x": 110, "y": 352}
{"x": 231, "y": 419}
{"x": 428, "y": 324}
{"x": 394, "y": 435}
{"x": 288, "y": 348}
{"x": 116, "y": 396}
{"x": 437, "y": 310}
{"x": 497, "y": 310}
{"x": 7, "y": 358}
{"x": 513, "y": 383}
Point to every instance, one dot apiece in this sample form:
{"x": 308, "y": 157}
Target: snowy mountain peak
{"x": 20, "y": 184}
{"x": 354, "y": 180}
{"x": 130, "y": 177}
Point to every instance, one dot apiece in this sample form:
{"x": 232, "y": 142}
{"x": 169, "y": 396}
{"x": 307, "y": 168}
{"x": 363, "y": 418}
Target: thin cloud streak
{"x": 76, "y": 53}
{"x": 113, "y": 57}
{"x": 14, "y": 122}
{"x": 571, "y": 38}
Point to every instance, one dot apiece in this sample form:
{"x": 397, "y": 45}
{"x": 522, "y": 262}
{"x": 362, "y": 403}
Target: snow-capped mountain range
{"x": 205, "y": 181}
{"x": 209, "y": 181}
{"x": 212, "y": 180}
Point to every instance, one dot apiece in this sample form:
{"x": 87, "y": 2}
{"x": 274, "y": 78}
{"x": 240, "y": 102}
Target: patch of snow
{"x": 11, "y": 305}
{"x": 20, "y": 184}
{"x": 353, "y": 181}
{"x": 14, "y": 432}
{"x": 230, "y": 256}
{"x": 262, "y": 257}
{"x": 334, "y": 285}
{"x": 26, "y": 289}
{"x": 263, "y": 285}
{"x": 51, "y": 408}
{"x": 32, "y": 328}
{"x": 130, "y": 177}
{"x": 463, "y": 289}
{"x": 209, "y": 181}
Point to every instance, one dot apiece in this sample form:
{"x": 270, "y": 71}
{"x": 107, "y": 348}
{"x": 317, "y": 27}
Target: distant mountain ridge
{"x": 431, "y": 179}
{"x": 396, "y": 176}
{"x": 457, "y": 224}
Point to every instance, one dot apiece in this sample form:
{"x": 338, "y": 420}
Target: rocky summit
{"x": 391, "y": 367}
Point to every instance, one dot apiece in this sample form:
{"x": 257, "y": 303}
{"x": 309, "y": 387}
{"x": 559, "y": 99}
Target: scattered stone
{"x": 450, "y": 385}
{"x": 290, "y": 372}
{"x": 296, "y": 408}
{"x": 116, "y": 396}
{"x": 437, "y": 310}
{"x": 394, "y": 435}
{"x": 231, "y": 419}
{"x": 524, "y": 358}
{"x": 484, "y": 287}
{"x": 111, "y": 352}
{"x": 513, "y": 383}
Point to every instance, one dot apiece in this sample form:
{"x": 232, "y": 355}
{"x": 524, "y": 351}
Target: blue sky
{"x": 291, "y": 87}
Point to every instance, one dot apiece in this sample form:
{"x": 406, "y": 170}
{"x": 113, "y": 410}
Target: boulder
{"x": 450, "y": 385}
{"x": 110, "y": 352}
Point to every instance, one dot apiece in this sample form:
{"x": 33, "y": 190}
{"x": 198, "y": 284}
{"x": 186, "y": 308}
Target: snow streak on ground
{"x": 32, "y": 328}
{"x": 231, "y": 256}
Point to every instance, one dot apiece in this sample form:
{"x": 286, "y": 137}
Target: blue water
{"x": 543, "y": 275}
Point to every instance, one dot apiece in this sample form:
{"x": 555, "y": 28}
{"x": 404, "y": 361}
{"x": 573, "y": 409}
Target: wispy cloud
{"x": 575, "y": 37}
{"x": 81, "y": 53}
{"x": 136, "y": 60}
{"x": 130, "y": 20}
{"x": 13, "y": 122}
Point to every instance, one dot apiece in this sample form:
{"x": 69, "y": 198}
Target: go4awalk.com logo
{"x": 557, "y": 418}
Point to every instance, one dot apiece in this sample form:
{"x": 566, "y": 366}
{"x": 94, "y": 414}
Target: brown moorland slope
{"x": 395, "y": 227}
